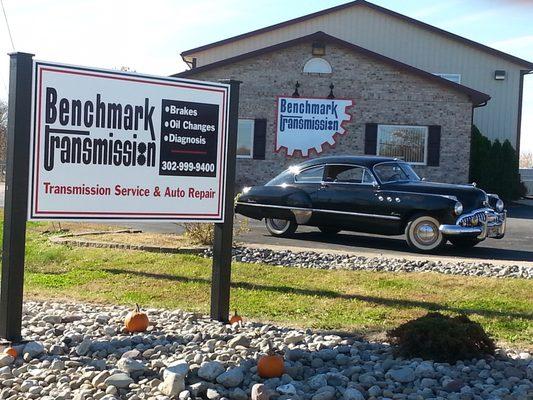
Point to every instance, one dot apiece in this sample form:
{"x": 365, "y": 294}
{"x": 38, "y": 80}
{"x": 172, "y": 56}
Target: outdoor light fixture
{"x": 331, "y": 95}
{"x": 319, "y": 49}
{"x": 499, "y": 75}
{"x": 296, "y": 86}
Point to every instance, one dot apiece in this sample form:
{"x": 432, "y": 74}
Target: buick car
{"x": 377, "y": 195}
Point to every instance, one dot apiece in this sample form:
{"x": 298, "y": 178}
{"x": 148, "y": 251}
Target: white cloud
{"x": 462, "y": 19}
{"x": 145, "y": 36}
{"x": 519, "y": 42}
{"x": 434, "y": 9}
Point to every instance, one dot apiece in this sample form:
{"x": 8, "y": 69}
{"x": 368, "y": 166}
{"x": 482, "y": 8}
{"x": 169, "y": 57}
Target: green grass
{"x": 354, "y": 301}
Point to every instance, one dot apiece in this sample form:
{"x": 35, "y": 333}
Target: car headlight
{"x": 458, "y": 209}
{"x": 500, "y": 205}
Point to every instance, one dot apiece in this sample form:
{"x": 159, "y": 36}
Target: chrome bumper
{"x": 490, "y": 224}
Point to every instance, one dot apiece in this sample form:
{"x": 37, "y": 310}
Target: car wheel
{"x": 329, "y": 230}
{"x": 464, "y": 243}
{"x": 280, "y": 227}
{"x": 423, "y": 235}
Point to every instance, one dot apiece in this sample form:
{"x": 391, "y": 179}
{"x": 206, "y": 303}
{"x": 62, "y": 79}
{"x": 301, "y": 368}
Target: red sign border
{"x": 35, "y": 213}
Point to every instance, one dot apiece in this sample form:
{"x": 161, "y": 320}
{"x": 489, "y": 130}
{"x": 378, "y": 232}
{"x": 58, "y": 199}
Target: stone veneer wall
{"x": 383, "y": 94}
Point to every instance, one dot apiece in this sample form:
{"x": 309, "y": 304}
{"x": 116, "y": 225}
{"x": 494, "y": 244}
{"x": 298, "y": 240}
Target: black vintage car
{"x": 374, "y": 195}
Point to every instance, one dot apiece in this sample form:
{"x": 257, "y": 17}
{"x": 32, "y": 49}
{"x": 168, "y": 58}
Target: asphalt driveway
{"x": 516, "y": 246}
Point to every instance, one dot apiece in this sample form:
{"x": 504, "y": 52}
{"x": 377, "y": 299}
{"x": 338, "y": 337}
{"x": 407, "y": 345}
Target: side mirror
{"x": 375, "y": 185}
{"x": 423, "y": 179}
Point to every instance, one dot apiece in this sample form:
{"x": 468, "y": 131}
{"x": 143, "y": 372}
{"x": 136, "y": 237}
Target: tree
{"x": 494, "y": 166}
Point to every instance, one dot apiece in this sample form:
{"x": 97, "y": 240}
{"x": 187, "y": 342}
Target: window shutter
{"x": 371, "y": 138}
{"x": 433, "y": 157}
{"x": 260, "y": 126}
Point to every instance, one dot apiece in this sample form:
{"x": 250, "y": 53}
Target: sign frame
{"x": 222, "y": 157}
{"x": 16, "y": 203}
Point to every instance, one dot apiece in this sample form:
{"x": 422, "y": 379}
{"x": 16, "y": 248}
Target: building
{"x": 414, "y": 90}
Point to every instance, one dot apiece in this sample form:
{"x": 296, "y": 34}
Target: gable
{"x": 477, "y": 98}
{"x": 366, "y": 25}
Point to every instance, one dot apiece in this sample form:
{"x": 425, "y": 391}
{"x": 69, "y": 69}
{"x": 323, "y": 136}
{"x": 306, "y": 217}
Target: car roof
{"x": 364, "y": 161}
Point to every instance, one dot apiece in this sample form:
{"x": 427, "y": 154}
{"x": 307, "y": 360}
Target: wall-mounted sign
{"x": 113, "y": 145}
{"x": 305, "y": 124}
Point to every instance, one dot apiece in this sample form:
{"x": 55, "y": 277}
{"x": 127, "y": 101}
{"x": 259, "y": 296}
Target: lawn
{"x": 352, "y": 301}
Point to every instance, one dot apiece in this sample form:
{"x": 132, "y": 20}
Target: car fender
{"x": 286, "y": 202}
{"x": 411, "y": 204}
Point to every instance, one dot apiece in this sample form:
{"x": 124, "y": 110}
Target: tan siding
{"x": 412, "y": 45}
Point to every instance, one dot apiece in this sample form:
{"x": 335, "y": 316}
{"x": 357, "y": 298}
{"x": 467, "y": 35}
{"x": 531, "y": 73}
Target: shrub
{"x": 204, "y": 234}
{"x": 494, "y": 166}
{"x": 442, "y": 338}
{"x": 200, "y": 233}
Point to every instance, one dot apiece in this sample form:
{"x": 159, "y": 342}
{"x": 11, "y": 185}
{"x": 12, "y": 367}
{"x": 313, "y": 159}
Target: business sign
{"x": 305, "y": 124}
{"x": 114, "y": 145}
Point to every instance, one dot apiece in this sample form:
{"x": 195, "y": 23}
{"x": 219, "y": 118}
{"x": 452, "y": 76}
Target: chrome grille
{"x": 474, "y": 220}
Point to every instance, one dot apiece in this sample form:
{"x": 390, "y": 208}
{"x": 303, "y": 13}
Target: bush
{"x": 494, "y": 166}
{"x": 200, "y": 233}
{"x": 204, "y": 234}
{"x": 442, "y": 338}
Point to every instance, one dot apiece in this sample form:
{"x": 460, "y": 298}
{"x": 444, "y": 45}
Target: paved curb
{"x": 74, "y": 239}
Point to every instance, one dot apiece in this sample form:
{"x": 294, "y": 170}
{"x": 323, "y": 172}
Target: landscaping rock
{"x": 119, "y": 380}
{"x": 187, "y": 356}
{"x": 210, "y": 370}
{"x": 33, "y": 349}
{"x": 403, "y": 375}
{"x": 231, "y": 378}
{"x": 321, "y": 260}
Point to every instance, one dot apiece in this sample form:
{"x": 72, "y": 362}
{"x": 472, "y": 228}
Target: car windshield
{"x": 395, "y": 172}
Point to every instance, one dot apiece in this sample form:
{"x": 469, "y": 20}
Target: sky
{"x": 148, "y": 36}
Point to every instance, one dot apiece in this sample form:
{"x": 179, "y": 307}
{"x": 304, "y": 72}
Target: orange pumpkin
{"x": 11, "y": 351}
{"x": 235, "y": 319}
{"x": 136, "y": 321}
{"x": 270, "y": 366}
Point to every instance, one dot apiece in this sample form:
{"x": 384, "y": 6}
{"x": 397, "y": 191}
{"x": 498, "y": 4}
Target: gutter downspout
{"x": 471, "y": 125}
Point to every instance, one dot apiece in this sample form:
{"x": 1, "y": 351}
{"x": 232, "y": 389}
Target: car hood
{"x": 470, "y": 196}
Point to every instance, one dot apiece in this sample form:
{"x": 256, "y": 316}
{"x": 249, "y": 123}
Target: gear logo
{"x": 306, "y": 124}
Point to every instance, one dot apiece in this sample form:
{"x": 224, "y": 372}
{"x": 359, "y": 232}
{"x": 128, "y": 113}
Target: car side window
{"x": 310, "y": 175}
{"x": 348, "y": 174}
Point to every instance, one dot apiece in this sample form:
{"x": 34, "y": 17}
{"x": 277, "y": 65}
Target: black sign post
{"x": 221, "y": 274}
{"x": 16, "y": 202}
{"x": 16, "y": 195}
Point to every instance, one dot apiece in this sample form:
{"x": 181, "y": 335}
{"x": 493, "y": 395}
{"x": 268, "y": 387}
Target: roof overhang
{"x": 478, "y": 99}
{"x": 186, "y": 55}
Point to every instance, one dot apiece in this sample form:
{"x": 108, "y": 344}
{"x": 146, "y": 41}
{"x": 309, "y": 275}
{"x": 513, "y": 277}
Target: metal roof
{"x": 421, "y": 24}
{"x": 477, "y": 98}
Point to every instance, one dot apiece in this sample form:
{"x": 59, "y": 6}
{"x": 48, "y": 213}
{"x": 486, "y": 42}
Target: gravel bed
{"x": 80, "y": 351}
{"x": 321, "y": 260}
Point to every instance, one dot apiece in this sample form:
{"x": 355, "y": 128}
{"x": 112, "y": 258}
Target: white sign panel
{"x": 114, "y": 145}
{"x": 305, "y": 124}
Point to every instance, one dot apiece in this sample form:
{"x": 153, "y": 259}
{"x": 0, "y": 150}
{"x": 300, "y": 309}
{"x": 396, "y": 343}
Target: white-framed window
{"x": 408, "y": 143}
{"x": 451, "y": 77}
{"x": 245, "y": 138}
{"x": 317, "y": 65}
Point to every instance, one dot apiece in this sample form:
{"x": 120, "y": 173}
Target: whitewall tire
{"x": 423, "y": 235}
{"x": 280, "y": 227}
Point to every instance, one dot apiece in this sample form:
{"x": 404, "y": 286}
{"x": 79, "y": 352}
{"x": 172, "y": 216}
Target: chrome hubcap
{"x": 278, "y": 224}
{"x": 426, "y": 233}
